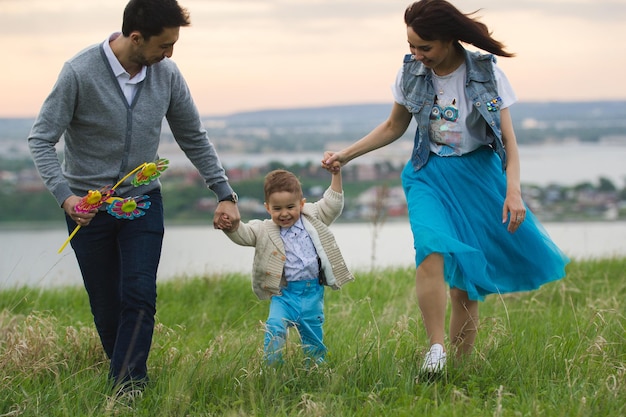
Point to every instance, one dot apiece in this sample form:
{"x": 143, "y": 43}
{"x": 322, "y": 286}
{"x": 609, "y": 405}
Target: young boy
{"x": 295, "y": 257}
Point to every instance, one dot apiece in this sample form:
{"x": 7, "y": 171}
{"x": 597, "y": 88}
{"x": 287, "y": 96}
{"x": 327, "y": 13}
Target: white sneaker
{"x": 435, "y": 359}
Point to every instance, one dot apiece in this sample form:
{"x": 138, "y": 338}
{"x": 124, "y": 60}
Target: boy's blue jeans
{"x": 118, "y": 260}
{"x": 301, "y": 304}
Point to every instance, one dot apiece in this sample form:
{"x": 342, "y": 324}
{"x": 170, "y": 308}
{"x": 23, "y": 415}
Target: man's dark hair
{"x": 151, "y": 17}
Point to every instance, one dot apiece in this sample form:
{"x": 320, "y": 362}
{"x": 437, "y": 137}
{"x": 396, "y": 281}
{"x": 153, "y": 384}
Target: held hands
{"x": 332, "y": 162}
{"x": 81, "y": 219}
{"x": 226, "y": 216}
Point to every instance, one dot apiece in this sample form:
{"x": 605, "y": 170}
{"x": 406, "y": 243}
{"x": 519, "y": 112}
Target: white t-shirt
{"x": 452, "y": 130}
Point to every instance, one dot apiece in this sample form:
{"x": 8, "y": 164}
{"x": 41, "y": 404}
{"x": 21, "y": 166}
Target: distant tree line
{"x": 188, "y": 201}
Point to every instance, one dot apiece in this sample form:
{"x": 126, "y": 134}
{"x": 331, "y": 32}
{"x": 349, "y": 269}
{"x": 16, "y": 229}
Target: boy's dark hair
{"x": 281, "y": 180}
{"x": 151, "y": 17}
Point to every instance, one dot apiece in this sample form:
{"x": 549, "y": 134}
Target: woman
{"x": 471, "y": 229}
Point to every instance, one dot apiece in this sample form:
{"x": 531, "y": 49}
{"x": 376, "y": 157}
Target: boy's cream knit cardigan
{"x": 269, "y": 255}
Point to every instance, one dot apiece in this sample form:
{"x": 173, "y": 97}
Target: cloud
{"x": 47, "y": 18}
{"x": 251, "y": 54}
{"x": 600, "y": 10}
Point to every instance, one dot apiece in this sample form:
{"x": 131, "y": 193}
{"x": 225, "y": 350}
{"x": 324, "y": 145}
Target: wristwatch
{"x": 231, "y": 197}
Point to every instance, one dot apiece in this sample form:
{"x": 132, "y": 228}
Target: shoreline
{"x": 29, "y": 257}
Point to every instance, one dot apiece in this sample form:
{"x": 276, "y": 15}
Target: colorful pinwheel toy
{"x": 128, "y": 208}
{"x": 150, "y": 172}
{"x": 94, "y": 199}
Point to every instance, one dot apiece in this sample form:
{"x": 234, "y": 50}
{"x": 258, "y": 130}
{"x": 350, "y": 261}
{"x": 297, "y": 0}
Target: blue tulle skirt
{"x": 455, "y": 209}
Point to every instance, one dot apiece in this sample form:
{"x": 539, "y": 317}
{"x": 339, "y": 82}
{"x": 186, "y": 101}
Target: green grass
{"x": 558, "y": 351}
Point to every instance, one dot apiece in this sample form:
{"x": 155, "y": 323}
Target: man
{"x": 109, "y": 103}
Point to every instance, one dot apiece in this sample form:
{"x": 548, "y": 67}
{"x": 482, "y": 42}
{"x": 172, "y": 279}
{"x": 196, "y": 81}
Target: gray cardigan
{"x": 105, "y": 137}
{"x": 269, "y": 254}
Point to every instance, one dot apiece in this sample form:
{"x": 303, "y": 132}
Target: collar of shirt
{"x": 117, "y": 68}
{"x": 298, "y": 225}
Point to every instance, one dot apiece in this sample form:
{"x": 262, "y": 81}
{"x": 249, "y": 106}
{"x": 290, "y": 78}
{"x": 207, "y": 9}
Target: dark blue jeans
{"x": 118, "y": 260}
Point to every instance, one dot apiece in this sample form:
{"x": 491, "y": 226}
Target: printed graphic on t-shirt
{"x": 444, "y": 128}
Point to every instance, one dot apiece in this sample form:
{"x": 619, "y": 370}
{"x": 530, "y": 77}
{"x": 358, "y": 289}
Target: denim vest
{"x": 481, "y": 88}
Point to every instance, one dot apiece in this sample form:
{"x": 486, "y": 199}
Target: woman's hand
{"x": 514, "y": 211}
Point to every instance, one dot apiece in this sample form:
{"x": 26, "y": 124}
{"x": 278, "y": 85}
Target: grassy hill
{"x": 558, "y": 351}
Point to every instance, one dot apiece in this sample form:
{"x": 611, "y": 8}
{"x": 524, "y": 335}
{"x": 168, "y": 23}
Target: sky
{"x": 246, "y": 55}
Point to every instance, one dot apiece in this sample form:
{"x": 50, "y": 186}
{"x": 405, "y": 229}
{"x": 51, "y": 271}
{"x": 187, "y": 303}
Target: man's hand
{"x": 81, "y": 219}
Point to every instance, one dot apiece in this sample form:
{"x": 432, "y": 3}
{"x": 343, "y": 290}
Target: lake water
{"x": 30, "y": 257}
{"x": 563, "y": 163}
{"x": 573, "y": 163}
